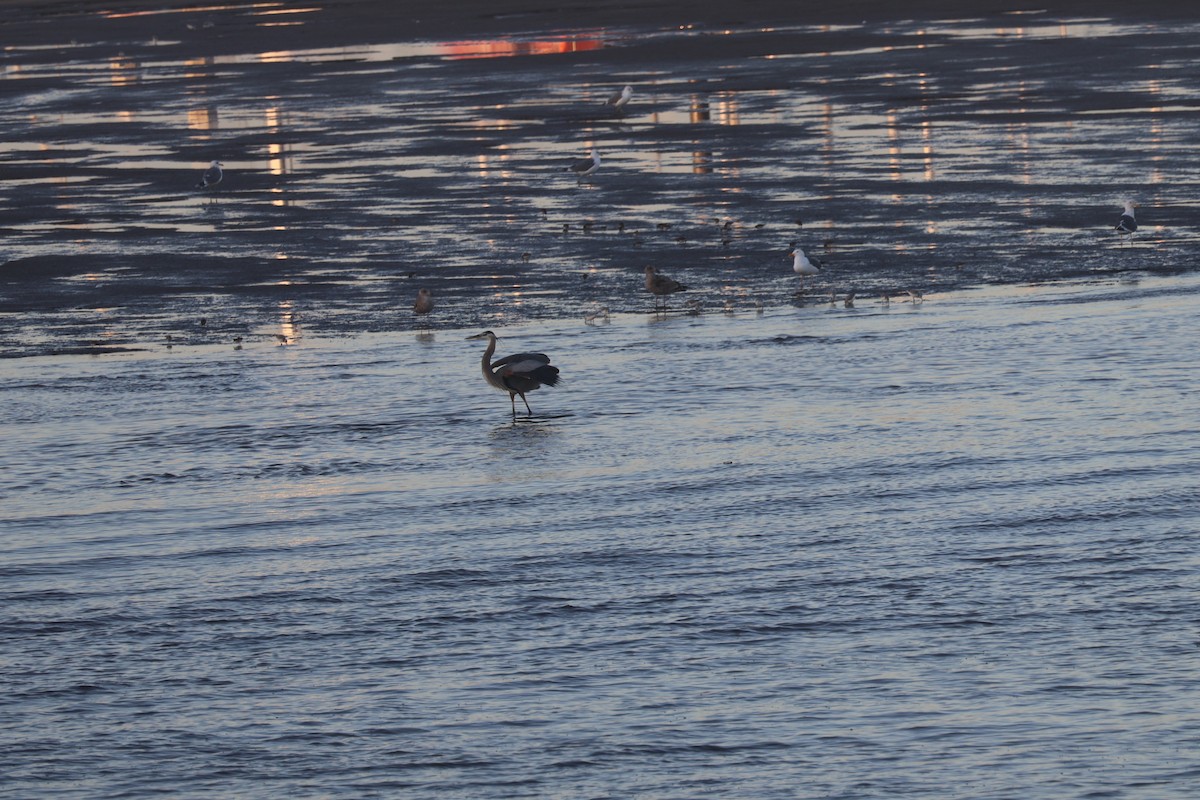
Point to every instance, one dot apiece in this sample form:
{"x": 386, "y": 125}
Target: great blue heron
{"x": 424, "y": 303}
{"x": 516, "y": 374}
{"x": 1127, "y": 223}
{"x": 211, "y": 177}
{"x": 582, "y": 167}
{"x": 660, "y": 285}
{"x": 803, "y": 265}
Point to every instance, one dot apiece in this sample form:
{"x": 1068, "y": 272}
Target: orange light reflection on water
{"x": 492, "y": 48}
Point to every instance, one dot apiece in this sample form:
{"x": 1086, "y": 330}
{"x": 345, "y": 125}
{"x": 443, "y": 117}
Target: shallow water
{"x": 931, "y": 551}
{"x": 917, "y": 155}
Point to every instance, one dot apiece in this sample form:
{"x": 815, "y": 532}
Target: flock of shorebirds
{"x": 521, "y": 373}
{"x": 657, "y": 284}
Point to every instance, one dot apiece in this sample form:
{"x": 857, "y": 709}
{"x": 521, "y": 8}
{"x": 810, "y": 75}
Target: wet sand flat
{"x": 370, "y": 153}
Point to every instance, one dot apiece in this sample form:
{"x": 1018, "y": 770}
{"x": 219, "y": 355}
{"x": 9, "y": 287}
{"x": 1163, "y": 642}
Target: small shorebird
{"x": 582, "y": 167}
{"x": 803, "y": 265}
{"x": 424, "y": 302}
{"x": 516, "y": 374}
{"x": 598, "y": 316}
{"x": 660, "y": 285}
{"x": 1127, "y": 223}
{"x": 619, "y": 99}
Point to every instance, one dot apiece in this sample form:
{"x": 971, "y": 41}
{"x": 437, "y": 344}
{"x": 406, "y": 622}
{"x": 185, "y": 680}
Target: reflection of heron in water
{"x": 516, "y": 374}
{"x": 424, "y": 303}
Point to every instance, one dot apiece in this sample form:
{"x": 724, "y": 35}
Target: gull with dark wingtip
{"x": 582, "y": 167}
{"x": 517, "y": 374}
{"x": 619, "y": 99}
{"x": 211, "y": 177}
{"x": 1127, "y": 224}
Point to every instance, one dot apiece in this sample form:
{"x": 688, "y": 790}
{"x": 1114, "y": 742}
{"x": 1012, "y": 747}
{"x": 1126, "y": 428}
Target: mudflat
{"x": 369, "y": 153}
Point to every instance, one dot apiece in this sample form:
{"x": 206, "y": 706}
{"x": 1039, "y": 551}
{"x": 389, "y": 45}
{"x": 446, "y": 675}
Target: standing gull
{"x": 619, "y": 99}
{"x": 660, "y": 285}
{"x": 211, "y": 177}
{"x": 424, "y": 302}
{"x": 516, "y": 374}
{"x": 803, "y": 265}
{"x": 583, "y": 167}
{"x": 1127, "y": 223}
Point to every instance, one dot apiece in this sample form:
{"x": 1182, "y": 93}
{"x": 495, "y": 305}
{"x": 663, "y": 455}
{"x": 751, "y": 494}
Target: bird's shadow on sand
{"x": 538, "y": 419}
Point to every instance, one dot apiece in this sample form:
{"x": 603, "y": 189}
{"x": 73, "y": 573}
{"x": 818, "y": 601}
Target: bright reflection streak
{"x": 202, "y": 119}
{"x": 927, "y": 148}
{"x": 278, "y": 162}
{"x": 289, "y": 329}
{"x": 727, "y": 109}
{"x": 123, "y": 72}
{"x": 1154, "y": 88}
{"x": 285, "y": 11}
{"x": 186, "y": 10}
{"x": 893, "y": 137}
{"x": 197, "y": 68}
{"x": 507, "y": 47}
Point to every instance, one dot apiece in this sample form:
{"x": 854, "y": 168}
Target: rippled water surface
{"x": 931, "y": 551}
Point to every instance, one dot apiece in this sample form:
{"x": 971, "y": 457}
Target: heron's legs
{"x": 513, "y": 397}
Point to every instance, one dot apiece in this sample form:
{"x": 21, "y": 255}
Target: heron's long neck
{"x": 487, "y": 356}
{"x": 488, "y": 374}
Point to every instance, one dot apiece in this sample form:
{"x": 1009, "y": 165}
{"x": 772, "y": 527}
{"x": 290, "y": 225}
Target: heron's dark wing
{"x": 524, "y": 372}
{"x": 522, "y": 362}
{"x": 528, "y": 380}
